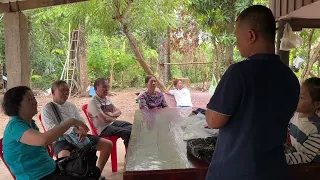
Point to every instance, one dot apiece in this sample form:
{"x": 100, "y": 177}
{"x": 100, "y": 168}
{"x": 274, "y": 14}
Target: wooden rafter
{"x": 18, "y": 5}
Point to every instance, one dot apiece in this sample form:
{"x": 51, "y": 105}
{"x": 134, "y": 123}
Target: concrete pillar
{"x": 18, "y": 66}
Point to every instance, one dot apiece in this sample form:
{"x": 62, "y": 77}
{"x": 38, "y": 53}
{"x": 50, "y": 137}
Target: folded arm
{"x": 308, "y": 151}
{"x": 106, "y": 117}
{"x": 116, "y": 113}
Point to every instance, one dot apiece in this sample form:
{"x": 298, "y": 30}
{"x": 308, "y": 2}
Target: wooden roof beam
{"x": 32, "y": 4}
{"x": 298, "y": 24}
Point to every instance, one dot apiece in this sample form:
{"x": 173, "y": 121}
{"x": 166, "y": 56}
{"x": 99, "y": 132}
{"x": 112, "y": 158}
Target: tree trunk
{"x": 121, "y": 17}
{"x": 111, "y": 78}
{"x": 167, "y": 57}
{"x": 219, "y": 59}
{"x": 216, "y": 61}
{"x": 138, "y": 54}
{"x": 122, "y": 76}
{"x": 229, "y": 55}
{"x": 313, "y": 58}
{"x": 83, "y": 76}
{"x": 229, "y": 47}
{"x": 162, "y": 73}
{"x": 319, "y": 68}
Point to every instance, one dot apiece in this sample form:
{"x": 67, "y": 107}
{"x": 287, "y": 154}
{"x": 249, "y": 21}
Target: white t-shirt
{"x": 182, "y": 96}
{"x": 67, "y": 110}
{"x": 98, "y": 106}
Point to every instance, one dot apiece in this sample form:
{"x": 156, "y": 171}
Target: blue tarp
{"x": 92, "y": 92}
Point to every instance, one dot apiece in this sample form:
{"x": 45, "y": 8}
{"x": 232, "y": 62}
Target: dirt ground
{"x": 124, "y": 100}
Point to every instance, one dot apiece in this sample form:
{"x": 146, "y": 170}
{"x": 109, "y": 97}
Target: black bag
{"x": 81, "y": 163}
{"x": 202, "y": 148}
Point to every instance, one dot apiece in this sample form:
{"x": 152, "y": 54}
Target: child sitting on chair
{"x": 305, "y": 125}
{"x": 180, "y": 93}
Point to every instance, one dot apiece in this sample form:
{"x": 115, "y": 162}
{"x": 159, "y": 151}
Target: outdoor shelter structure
{"x": 17, "y": 38}
{"x": 298, "y": 13}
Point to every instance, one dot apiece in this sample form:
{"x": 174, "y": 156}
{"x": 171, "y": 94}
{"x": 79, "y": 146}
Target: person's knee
{"x": 104, "y": 145}
{"x": 64, "y": 153}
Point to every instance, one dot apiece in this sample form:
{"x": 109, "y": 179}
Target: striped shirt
{"x": 305, "y": 138}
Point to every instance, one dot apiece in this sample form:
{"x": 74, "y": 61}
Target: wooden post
{"x": 167, "y": 68}
{"x": 162, "y": 72}
{"x": 111, "y": 79}
{"x": 284, "y": 55}
{"x": 319, "y": 68}
{"x": 17, "y": 49}
{"x": 122, "y": 76}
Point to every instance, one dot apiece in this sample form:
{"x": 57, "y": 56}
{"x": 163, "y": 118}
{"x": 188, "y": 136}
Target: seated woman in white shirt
{"x": 180, "y": 92}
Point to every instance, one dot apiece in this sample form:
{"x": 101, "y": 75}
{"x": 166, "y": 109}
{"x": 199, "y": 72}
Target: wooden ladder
{"x": 71, "y": 67}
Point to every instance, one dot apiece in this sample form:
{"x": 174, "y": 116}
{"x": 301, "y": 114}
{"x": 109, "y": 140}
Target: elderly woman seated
{"x": 151, "y": 99}
{"x": 24, "y": 147}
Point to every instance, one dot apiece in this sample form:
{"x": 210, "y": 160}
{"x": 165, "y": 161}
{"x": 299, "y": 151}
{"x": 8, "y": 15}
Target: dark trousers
{"x": 119, "y": 128}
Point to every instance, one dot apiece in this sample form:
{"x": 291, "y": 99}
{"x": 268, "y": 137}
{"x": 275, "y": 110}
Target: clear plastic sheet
{"x": 157, "y": 141}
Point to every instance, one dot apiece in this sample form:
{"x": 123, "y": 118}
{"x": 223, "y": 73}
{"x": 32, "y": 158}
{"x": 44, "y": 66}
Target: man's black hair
{"x": 99, "y": 81}
{"x": 260, "y": 19}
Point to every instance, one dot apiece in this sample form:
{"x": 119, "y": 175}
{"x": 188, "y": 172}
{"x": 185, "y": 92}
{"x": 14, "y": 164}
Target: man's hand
{"x": 112, "y": 115}
{"x": 109, "y": 114}
{"x": 81, "y": 137}
{"x": 80, "y": 127}
{"x": 80, "y": 130}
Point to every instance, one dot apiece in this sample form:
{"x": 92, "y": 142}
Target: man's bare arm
{"x": 106, "y": 117}
{"x": 116, "y": 113}
{"x": 186, "y": 81}
{"x": 168, "y": 89}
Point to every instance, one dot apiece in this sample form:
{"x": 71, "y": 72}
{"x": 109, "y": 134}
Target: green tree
{"x": 218, "y": 18}
{"x": 125, "y": 16}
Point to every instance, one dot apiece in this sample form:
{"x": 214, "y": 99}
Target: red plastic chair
{"x": 49, "y": 147}
{"x": 40, "y": 119}
{"x": 1, "y": 156}
{"x": 113, "y": 139}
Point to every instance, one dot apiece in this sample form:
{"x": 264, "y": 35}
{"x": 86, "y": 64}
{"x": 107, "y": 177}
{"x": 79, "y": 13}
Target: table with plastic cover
{"x": 157, "y": 150}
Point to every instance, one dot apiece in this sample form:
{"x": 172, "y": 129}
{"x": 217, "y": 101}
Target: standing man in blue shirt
{"x": 252, "y": 105}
